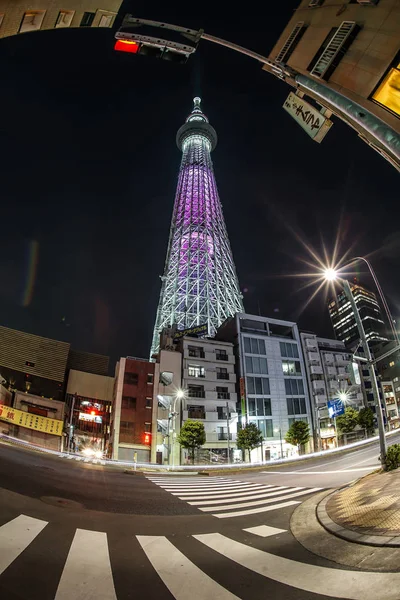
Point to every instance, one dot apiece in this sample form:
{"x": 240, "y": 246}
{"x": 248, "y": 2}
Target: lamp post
{"x": 276, "y": 430}
{"x": 332, "y": 275}
{"x": 180, "y": 394}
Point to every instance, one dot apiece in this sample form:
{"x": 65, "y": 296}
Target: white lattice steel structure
{"x": 199, "y": 285}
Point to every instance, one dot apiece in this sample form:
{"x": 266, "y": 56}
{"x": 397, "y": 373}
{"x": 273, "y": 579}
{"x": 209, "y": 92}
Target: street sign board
{"x": 308, "y": 117}
{"x": 335, "y": 408}
{"x": 195, "y": 331}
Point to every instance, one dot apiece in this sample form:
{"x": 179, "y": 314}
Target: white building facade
{"x": 272, "y": 379}
{"x": 209, "y": 384}
{"x": 329, "y": 368}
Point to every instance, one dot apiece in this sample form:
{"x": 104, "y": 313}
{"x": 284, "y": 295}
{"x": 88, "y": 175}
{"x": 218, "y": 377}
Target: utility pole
{"x": 371, "y": 368}
{"x": 228, "y": 415}
{"x": 71, "y": 414}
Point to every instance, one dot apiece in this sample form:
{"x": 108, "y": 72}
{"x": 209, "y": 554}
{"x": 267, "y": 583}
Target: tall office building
{"x": 199, "y": 285}
{"x": 343, "y": 320}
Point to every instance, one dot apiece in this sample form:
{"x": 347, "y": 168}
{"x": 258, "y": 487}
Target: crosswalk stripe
{"x": 255, "y": 511}
{"x": 258, "y": 502}
{"x": 87, "y": 573}
{"x": 183, "y": 579}
{"x": 214, "y": 487}
{"x": 336, "y": 583}
{"x": 241, "y": 497}
{"x": 15, "y": 536}
{"x": 226, "y": 493}
{"x": 202, "y": 483}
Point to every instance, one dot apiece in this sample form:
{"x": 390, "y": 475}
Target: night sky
{"x": 89, "y": 166}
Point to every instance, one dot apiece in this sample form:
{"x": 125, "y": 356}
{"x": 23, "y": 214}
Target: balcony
{"x": 318, "y": 384}
{"x": 331, "y": 370}
{"x": 223, "y": 376}
{"x": 224, "y": 436}
{"x": 196, "y": 353}
{"x": 313, "y": 357}
{"x": 221, "y": 356}
{"x": 196, "y": 393}
{"x": 316, "y": 370}
{"x": 320, "y": 399}
{"x": 311, "y": 344}
{"x": 196, "y": 414}
{"x": 223, "y": 396}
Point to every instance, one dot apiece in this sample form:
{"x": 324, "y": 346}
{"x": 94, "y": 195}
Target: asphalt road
{"x": 70, "y": 530}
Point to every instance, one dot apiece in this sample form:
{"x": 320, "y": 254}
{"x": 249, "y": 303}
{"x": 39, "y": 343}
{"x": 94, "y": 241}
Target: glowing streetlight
{"x": 330, "y": 274}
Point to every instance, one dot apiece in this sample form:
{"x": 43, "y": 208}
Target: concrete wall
{"x": 98, "y": 387}
{"x": 14, "y": 10}
{"x": 55, "y": 410}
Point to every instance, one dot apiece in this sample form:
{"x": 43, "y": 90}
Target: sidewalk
{"x": 367, "y": 512}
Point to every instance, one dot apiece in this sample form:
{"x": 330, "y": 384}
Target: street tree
{"x": 347, "y": 422}
{"x": 192, "y": 436}
{"x": 366, "y": 419}
{"x": 298, "y": 434}
{"x": 249, "y": 438}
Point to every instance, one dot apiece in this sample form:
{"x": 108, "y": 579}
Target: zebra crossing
{"x": 225, "y": 498}
{"x": 88, "y": 572}
{"x": 84, "y": 459}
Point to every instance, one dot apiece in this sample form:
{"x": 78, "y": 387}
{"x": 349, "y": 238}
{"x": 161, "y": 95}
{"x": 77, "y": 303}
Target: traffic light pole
{"x": 371, "y": 129}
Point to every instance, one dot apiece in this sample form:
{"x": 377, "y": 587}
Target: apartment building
{"x": 272, "y": 379}
{"x": 21, "y": 16}
{"x": 131, "y": 410}
{"x": 209, "y": 385}
{"x": 330, "y": 368}
{"x": 392, "y": 407}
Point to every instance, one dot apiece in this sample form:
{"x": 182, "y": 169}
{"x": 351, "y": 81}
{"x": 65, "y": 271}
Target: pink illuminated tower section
{"x": 199, "y": 284}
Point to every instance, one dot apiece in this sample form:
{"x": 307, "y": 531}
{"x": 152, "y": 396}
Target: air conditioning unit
{"x": 314, "y": 3}
{"x": 367, "y": 2}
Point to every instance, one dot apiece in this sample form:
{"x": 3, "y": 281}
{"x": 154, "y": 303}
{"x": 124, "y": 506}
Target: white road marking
{"x": 183, "y": 579}
{"x": 259, "y": 502}
{"x": 214, "y": 487}
{"x": 336, "y": 583}
{"x": 318, "y": 472}
{"x": 87, "y": 573}
{"x": 241, "y": 497}
{"x": 216, "y": 495}
{"x": 254, "y": 511}
{"x": 15, "y": 536}
{"x": 265, "y": 530}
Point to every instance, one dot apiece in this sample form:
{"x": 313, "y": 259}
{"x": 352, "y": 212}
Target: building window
{"x": 127, "y": 427}
{"x": 333, "y": 49}
{"x": 147, "y": 427}
{"x": 387, "y": 93}
{"x": 289, "y": 350}
{"x": 260, "y": 407}
{"x": 255, "y": 364}
{"x": 296, "y": 406}
{"x": 32, "y": 20}
{"x": 391, "y": 364}
{"x": 291, "y": 367}
{"x": 222, "y": 414}
{"x": 128, "y": 402}
{"x": 196, "y": 391}
{"x": 294, "y": 387}
{"x": 196, "y": 352}
{"x": 87, "y": 19}
{"x": 196, "y": 412}
{"x": 64, "y": 18}
{"x": 221, "y": 355}
{"x": 150, "y": 378}
{"x": 257, "y": 385}
{"x": 291, "y": 42}
{"x": 196, "y": 371}
{"x": 131, "y": 378}
{"x": 223, "y": 433}
{"x": 222, "y": 373}
{"x": 106, "y": 21}
{"x": 254, "y": 346}
{"x": 222, "y": 393}
{"x": 148, "y": 402}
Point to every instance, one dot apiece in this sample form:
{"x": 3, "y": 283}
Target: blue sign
{"x": 335, "y": 408}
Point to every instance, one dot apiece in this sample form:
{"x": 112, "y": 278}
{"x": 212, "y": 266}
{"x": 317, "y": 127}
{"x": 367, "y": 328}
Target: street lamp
{"x": 179, "y": 395}
{"x": 332, "y": 275}
{"x": 279, "y": 430}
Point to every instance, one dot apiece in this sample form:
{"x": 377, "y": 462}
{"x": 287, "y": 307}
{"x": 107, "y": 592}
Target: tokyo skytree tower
{"x": 199, "y": 284}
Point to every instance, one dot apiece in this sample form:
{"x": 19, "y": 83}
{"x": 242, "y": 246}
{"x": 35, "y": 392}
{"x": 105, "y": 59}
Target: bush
{"x": 393, "y": 457}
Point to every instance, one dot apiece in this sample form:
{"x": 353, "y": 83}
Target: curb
{"x": 384, "y": 541}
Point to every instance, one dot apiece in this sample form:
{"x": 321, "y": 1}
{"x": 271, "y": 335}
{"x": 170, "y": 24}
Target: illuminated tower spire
{"x": 199, "y": 285}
